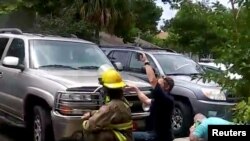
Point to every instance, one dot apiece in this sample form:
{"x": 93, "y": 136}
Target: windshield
{"x": 177, "y": 64}
{"x": 66, "y": 55}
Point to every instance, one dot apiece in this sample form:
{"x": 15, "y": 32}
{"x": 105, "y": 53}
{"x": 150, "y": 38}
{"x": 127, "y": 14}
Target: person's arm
{"x": 143, "y": 98}
{"x": 87, "y": 115}
{"x": 196, "y": 134}
{"x": 100, "y": 120}
{"x": 192, "y": 137}
{"x": 149, "y": 71}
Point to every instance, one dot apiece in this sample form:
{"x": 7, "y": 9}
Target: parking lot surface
{"x": 10, "y": 133}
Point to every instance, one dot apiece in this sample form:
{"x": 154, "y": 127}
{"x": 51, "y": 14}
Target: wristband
{"x": 146, "y": 63}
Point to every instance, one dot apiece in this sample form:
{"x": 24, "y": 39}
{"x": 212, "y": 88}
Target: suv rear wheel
{"x": 181, "y": 119}
{"x": 42, "y": 127}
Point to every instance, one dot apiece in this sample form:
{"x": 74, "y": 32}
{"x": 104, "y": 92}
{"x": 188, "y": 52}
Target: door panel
{"x": 3, "y": 45}
{"x": 12, "y": 86}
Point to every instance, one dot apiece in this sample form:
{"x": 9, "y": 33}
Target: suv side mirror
{"x": 12, "y": 62}
{"x": 118, "y": 66}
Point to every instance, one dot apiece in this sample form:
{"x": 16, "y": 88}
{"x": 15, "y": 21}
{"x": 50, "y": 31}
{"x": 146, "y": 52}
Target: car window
{"x": 177, "y": 64}
{"x": 119, "y": 56}
{"x": 212, "y": 69}
{"x": 151, "y": 61}
{"x": 3, "y": 43}
{"x": 46, "y": 53}
{"x": 135, "y": 64}
{"x": 16, "y": 49}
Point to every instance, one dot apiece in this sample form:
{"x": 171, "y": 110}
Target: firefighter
{"x": 112, "y": 122}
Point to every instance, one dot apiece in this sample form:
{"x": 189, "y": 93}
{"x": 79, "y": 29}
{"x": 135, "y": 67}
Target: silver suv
{"x": 48, "y": 82}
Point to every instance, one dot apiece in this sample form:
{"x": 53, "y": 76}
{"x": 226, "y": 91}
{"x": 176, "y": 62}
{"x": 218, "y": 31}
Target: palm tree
{"x": 104, "y": 14}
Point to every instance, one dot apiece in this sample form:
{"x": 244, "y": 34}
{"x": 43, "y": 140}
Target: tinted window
{"x": 17, "y": 50}
{"x": 120, "y": 56}
{"x": 135, "y": 64}
{"x": 3, "y": 43}
{"x": 151, "y": 62}
{"x": 177, "y": 64}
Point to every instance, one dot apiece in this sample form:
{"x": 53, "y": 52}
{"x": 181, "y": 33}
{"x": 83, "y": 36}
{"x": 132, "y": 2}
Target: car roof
{"x": 30, "y": 36}
{"x": 137, "y": 49}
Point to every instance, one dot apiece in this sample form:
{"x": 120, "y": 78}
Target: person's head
{"x": 112, "y": 83}
{"x": 166, "y": 83}
{"x": 198, "y": 118}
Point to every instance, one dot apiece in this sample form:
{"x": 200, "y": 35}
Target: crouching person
{"x": 199, "y": 131}
{"x": 112, "y": 122}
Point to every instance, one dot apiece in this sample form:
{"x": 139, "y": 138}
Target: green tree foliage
{"x": 123, "y": 18}
{"x": 104, "y": 14}
{"x": 7, "y": 6}
{"x": 45, "y": 7}
{"x": 242, "y": 112}
{"x": 147, "y": 15}
{"x": 235, "y": 50}
{"x": 223, "y": 32}
{"x": 67, "y": 24}
{"x": 195, "y": 28}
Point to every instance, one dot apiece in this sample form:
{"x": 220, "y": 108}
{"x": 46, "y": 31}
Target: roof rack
{"x": 120, "y": 46}
{"x": 136, "y": 47}
{"x": 11, "y": 30}
{"x": 165, "y": 49}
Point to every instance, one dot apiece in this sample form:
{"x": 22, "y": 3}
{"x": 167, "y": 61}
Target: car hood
{"x": 189, "y": 81}
{"x": 81, "y": 78}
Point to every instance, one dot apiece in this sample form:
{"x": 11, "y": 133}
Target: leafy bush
{"x": 242, "y": 112}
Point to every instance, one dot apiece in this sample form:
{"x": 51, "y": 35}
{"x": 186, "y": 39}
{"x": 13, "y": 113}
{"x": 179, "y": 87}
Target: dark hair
{"x": 170, "y": 82}
{"x": 114, "y": 93}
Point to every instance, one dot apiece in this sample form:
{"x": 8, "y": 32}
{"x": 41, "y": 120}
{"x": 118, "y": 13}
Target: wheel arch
{"x": 33, "y": 99}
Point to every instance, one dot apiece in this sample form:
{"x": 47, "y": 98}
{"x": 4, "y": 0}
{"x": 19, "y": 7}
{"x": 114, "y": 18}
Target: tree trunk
{"x": 97, "y": 36}
{"x": 234, "y": 11}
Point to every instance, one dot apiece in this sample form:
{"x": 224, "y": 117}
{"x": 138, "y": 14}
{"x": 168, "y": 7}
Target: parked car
{"x": 191, "y": 95}
{"x": 219, "y": 68}
{"x": 47, "y": 83}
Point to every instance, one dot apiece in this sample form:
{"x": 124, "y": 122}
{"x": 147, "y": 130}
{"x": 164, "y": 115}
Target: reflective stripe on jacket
{"x": 114, "y": 117}
{"x": 117, "y": 128}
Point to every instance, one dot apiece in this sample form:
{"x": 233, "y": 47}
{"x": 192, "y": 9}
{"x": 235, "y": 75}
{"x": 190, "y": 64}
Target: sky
{"x": 168, "y": 13}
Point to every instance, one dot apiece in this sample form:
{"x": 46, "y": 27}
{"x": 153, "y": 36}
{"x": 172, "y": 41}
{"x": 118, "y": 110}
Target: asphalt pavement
{"x": 10, "y": 133}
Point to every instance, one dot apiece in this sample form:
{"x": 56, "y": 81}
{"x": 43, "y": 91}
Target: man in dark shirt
{"x": 159, "y": 122}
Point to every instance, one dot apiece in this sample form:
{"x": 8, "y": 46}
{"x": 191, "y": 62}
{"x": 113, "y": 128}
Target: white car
{"x": 219, "y": 67}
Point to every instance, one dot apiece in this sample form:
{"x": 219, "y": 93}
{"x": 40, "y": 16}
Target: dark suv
{"x": 191, "y": 95}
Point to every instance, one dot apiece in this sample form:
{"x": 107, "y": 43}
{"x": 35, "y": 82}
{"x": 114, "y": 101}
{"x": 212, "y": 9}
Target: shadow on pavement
{"x": 10, "y": 133}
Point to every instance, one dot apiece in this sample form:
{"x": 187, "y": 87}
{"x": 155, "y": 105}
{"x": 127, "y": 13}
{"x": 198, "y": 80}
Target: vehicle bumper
{"x": 213, "y": 108}
{"x": 66, "y": 127}
{"x": 70, "y": 127}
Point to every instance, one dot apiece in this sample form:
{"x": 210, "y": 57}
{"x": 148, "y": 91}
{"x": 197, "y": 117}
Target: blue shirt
{"x": 160, "y": 116}
{"x": 201, "y": 131}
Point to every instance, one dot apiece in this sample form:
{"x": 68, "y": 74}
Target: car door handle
{"x": 1, "y": 74}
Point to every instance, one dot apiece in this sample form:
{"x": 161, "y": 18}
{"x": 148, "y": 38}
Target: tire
{"x": 41, "y": 126}
{"x": 181, "y": 119}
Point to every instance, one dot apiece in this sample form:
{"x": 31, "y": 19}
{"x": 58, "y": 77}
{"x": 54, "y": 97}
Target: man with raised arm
{"x": 159, "y": 122}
